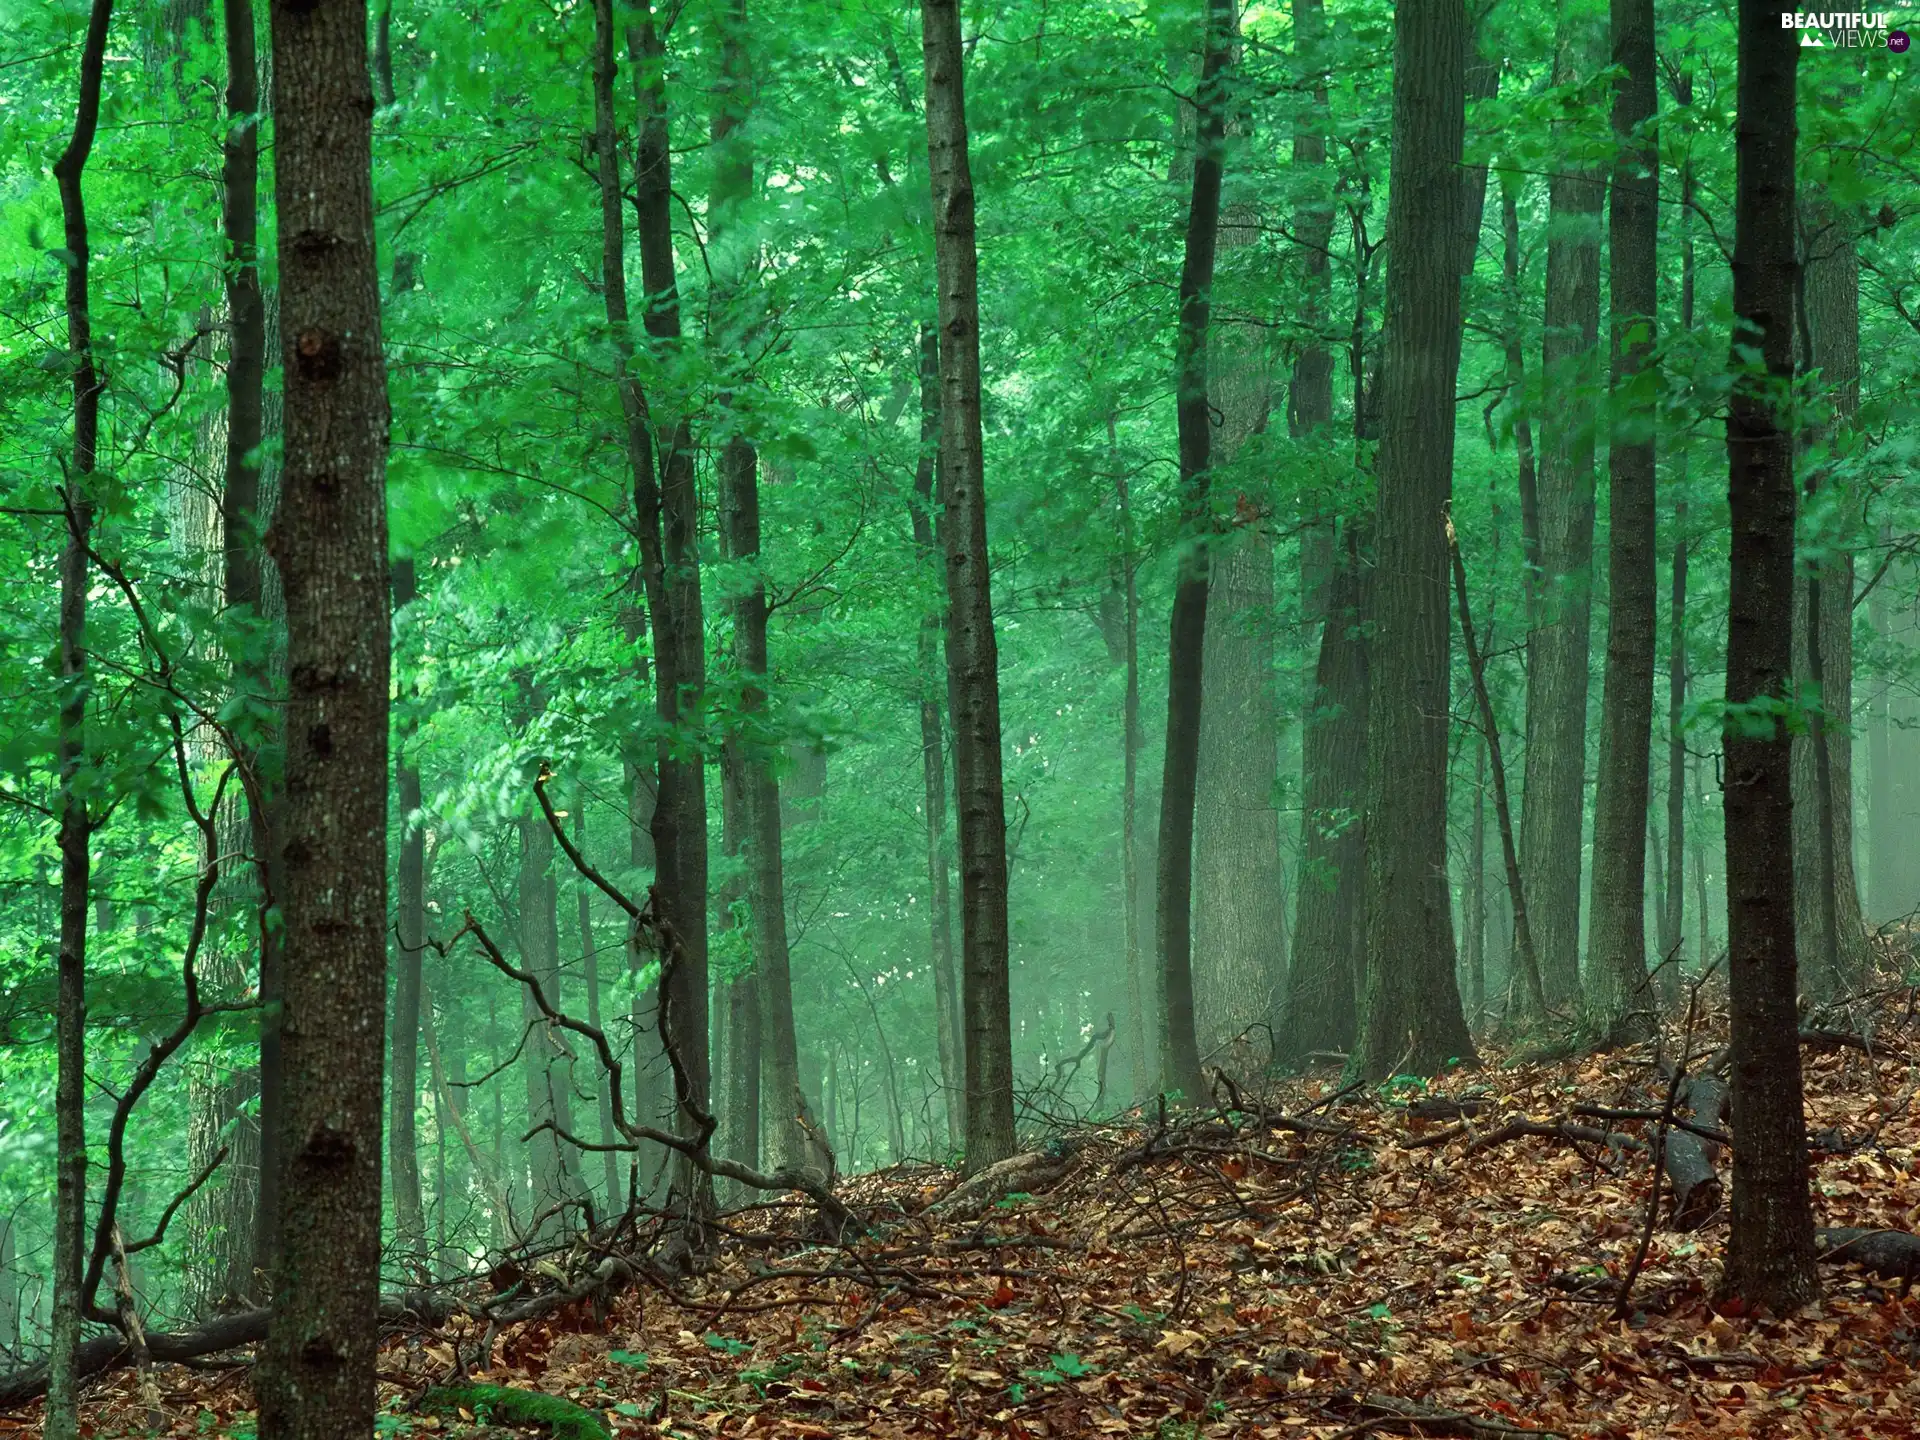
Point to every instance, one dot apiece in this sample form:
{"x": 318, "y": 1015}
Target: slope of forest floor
{"x": 1317, "y": 1263}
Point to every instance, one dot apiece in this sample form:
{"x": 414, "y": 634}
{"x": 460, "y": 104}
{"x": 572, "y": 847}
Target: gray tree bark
{"x": 329, "y": 538}
{"x": 972, "y": 656}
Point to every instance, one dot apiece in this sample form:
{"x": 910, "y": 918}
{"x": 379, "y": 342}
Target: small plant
{"x": 726, "y": 1344}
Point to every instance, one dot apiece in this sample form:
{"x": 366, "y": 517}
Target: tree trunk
{"x": 1239, "y": 902}
{"x": 546, "y": 1064}
{"x": 1328, "y": 973}
{"x": 329, "y": 537}
{"x": 1557, "y": 647}
{"x": 1620, "y": 1007}
{"x": 1412, "y": 1020}
{"x": 1832, "y": 930}
{"x": 972, "y": 656}
{"x": 1515, "y": 343}
{"x": 1239, "y": 888}
{"x": 75, "y": 823}
{"x": 590, "y": 966}
{"x": 1770, "y": 1252}
{"x": 667, "y": 510}
{"x": 1173, "y": 884}
{"x": 1673, "y": 917}
{"x": 933, "y": 760}
{"x": 1477, "y": 893}
{"x": 760, "y": 807}
{"x": 403, "y": 1144}
{"x": 665, "y": 516}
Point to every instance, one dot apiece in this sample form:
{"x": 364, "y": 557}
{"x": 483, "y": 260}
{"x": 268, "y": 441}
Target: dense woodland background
{"x": 693, "y": 244}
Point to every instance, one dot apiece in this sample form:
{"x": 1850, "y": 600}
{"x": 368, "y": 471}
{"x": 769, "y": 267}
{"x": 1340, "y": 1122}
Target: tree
{"x": 329, "y": 539}
{"x": 950, "y": 1042}
{"x": 1173, "y": 882}
{"x": 1832, "y": 934}
{"x": 1412, "y": 1020}
{"x": 1558, "y": 644}
{"x": 409, "y": 948}
{"x": 973, "y": 676}
{"x": 77, "y": 502}
{"x": 1617, "y": 997}
{"x": 1770, "y": 1255}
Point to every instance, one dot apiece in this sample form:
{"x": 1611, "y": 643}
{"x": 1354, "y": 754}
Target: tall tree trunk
{"x": 1515, "y": 345}
{"x": 667, "y": 510}
{"x": 1673, "y": 918}
{"x": 1326, "y": 976}
{"x": 1558, "y": 646}
{"x": 245, "y": 499}
{"x": 933, "y": 759}
{"x": 403, "y": 1143}
{"x": 665, "y": 513}
{"x": 1477, "y": 893}
{"x": 1239, "y": 901}
{"x": 761, "y": 1015}
{"x": 972, "y": 656}
{"x": 760, "y": 797}
{"x": 329, "y": 537}
{"x": 76, "y": 824}
{"x": 1770, "y": 1255}
{"x": 1142, "y": 1021}
{"x": 1239, "y": 888}
{"x": 590, "y": 966}
{"x": 1832, "y": 930}
{"x": 1619, "y": 1004}
{"x": 1412, "y": 1020}
{"x": 546, "y": 1063}
{"x": 1173, "y": 884}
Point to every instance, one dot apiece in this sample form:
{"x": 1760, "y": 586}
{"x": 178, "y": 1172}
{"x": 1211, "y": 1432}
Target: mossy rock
{"x": 504, "y": 1405}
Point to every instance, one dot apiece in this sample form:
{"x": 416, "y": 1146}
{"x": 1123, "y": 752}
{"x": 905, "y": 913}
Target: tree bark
{"x": 1620, "y": 1007}
{"x": 972, "y": 656}
{"x": 329, "y": 537}
{"x": 1558, "y": 645}
{"x": 1412, "y": 1020}
{"x": 70, "y": 758}
{"x": 590, "y": 967}
{"x": 933, "y": 759}
{"x": 1770, "y": 1250}
{"x": 1173, "y": 884}
{"x": 403, "y": 1145}
{"x": 1832, "y": 928}
{"x": 1673, "y": 917}
{"x": 1239, "y": 904}
{"x": 668, "y": 511}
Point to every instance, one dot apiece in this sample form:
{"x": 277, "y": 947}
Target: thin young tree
{"x": 70, "y": 756}
{"x": 1618, "y": 1004}
{"x": 329, "y": 539}
{"x": 973, "y": 665}
{"x": 1173, "y": 881}
{"x": 1770, "y": 1250}
{"x": 1412, "y": 1019}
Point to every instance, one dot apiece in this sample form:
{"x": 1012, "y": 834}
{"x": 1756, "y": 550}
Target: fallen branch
{"x": 1890, "y": 1254}
{"x": 1429, "y": 1420}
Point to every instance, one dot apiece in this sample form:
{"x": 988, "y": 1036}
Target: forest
{"x": 1150, "y": 717}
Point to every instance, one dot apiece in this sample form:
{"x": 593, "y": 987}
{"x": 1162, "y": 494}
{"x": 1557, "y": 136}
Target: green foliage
{"x": 504, "y": 1405}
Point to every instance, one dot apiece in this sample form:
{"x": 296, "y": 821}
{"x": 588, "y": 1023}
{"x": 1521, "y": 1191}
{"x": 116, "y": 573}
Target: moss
{"x": 503, "y": 1405}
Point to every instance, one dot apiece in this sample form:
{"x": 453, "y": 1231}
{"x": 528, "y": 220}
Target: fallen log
{"x": 1890, "y": 1254}
{"x": 1695, "y": 1182}
{"x": 111, "y": 1352}
{"x": 1016, "y": 1175}
{"x": 105, "y": 1353}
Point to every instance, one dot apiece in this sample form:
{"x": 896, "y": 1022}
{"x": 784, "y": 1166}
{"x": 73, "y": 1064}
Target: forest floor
{"x": 1314, "y": 1264}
